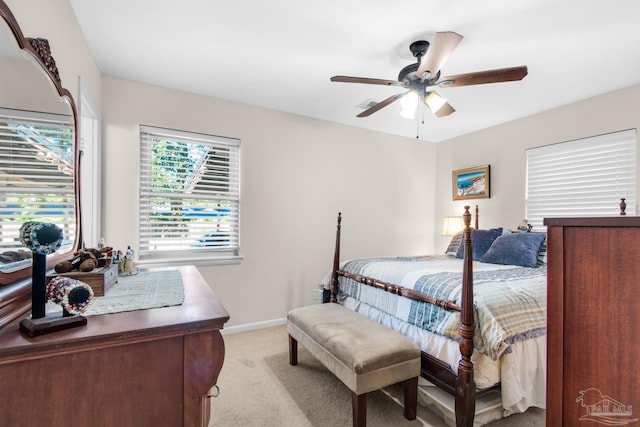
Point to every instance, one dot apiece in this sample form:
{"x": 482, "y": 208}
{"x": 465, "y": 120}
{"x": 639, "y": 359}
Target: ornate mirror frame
{"x": 15, "y": 286}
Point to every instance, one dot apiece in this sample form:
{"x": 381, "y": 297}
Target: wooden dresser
{"x": 140, "y": 368}
{"x": 593, "y": 339}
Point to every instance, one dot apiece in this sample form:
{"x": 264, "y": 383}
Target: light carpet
{"x": 258, "y": 387}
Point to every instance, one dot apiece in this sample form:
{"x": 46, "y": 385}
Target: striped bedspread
{"x": 510, "y": 302}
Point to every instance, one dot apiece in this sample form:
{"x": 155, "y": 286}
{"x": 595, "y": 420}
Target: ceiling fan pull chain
{"x": 418, "y": 121}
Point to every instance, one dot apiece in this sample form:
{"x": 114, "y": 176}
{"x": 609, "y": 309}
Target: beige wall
{"x": 25, "y": 87}
{"x": 297, "y": 173}
{"x": 55, "y": 21}
{"x": 503, "y": 147}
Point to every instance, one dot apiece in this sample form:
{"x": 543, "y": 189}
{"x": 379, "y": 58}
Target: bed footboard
{"x": 461, "y": 385}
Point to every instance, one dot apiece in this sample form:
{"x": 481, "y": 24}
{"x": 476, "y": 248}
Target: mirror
{"x": 39, "y": 159}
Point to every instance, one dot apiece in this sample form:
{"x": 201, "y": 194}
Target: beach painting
{"x": 471, "y": 183}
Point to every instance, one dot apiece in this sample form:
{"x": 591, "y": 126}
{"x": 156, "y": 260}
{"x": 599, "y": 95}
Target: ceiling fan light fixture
{"x": 409, "y": 104}
{"x": 434, "y": 101}
{"x": 408, "y": 114}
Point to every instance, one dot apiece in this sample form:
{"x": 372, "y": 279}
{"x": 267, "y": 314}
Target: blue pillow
{"x": 454, "y": 244}
{"x": 515, "y": 249}
{"x": 481, "y": 240}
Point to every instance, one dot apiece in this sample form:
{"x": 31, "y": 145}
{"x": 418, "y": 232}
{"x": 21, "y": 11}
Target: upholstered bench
{"x": 360, "y": 352}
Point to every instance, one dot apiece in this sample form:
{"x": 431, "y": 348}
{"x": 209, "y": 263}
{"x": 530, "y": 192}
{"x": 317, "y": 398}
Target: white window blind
{"x": 580, "y": 178}
{"x": 36, "y": 175}
{"x": 189, "y": 196}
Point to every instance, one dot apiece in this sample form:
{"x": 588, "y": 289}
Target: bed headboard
{"x": 336, "y": 253}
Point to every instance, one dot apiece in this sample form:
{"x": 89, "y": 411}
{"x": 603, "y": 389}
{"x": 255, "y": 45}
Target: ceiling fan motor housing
{"x": 408, "y": 74}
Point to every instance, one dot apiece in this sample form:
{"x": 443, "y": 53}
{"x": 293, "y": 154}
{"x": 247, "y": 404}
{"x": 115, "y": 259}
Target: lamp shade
{"x": 434, "y": 101}
{"x": 409, "y": 104}
{"x": 452, "y": 225}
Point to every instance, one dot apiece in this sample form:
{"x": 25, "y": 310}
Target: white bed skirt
{"x": 521, "y": 373}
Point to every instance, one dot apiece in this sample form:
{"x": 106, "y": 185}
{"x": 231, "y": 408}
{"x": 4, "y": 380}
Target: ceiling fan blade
{"x": 380, "y": 105}
{"x": 482, "y": 77}
{"x": 437, "y": 104}
{"x": 366, "y": 80}
{"x": 440, "y": 48}
{"x": 445, "y": 110}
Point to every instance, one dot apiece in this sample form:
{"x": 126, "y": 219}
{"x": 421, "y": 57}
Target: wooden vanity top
{"x": 200, "y": 311}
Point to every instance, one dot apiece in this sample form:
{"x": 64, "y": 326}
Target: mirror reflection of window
{"x": 36, "y": 179}
{"x": 39, "y": 158}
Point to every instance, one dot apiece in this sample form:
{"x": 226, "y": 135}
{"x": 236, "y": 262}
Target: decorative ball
{"x": 73, "y": 295}
{"x": 42, "y": 238}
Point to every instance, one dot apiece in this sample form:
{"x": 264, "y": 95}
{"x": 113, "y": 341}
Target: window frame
{"x": 581, "y": 178}
{"x": 203, "y": 251}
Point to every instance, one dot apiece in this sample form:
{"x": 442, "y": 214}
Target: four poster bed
{"x": 474, "y": 342}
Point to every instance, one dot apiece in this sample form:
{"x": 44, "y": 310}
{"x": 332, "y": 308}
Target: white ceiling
{"x": 280, "y": 54}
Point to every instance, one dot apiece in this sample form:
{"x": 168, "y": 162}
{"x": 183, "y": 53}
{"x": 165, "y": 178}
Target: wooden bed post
{"x": 336, "y": 262}
{"x": 465, "y": 393}
{"x": 476, "y": 220}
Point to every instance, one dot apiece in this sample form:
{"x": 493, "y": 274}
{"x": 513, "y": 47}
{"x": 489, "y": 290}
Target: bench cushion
{"x": 362, "y": 353}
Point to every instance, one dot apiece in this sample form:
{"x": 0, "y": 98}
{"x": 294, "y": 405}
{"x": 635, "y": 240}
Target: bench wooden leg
{"x": 410, "y": 398}
{"x": 293, "y": 351}
{"x": 359, "y": 403}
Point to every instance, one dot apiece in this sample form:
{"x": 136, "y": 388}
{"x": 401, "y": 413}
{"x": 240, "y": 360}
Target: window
{"x": 585, "y": 177}
{"x": 36, "y": 176}
{"x": 189, "y": 197}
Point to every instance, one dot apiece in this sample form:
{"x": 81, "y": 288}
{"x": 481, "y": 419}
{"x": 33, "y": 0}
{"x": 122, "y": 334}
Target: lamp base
{"x": 52, "y": 323}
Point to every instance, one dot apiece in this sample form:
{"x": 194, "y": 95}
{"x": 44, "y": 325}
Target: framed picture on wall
{"x": 471, "y": 183}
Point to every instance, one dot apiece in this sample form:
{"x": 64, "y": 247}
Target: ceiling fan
{"x": 422, "y": 76}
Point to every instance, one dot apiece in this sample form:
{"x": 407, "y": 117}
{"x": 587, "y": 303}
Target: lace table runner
{"x": 149, "y": 289}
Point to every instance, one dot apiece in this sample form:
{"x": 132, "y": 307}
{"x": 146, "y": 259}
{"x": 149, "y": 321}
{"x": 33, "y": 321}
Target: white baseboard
{"x": 253, "y": 326}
